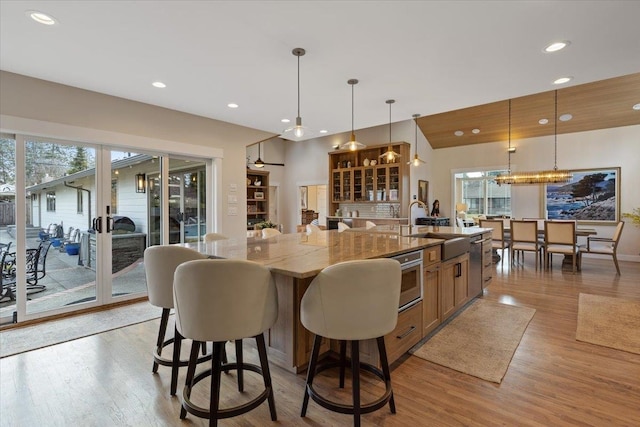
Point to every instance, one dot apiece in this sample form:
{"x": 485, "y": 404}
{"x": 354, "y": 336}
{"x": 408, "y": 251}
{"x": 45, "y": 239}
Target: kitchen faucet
{"x": 418, "y": 202}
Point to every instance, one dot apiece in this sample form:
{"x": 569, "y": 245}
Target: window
{"x": 51, "y": 201}
{"x": 79, "y": 200}
{"x": 482, "y": 195}
{"x": 114, "y": 196}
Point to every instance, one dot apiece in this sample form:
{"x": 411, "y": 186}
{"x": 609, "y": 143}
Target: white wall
{"x": 616, "y": 147}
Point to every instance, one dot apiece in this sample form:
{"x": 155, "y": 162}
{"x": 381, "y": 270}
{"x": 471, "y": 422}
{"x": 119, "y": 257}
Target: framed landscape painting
{"x": 592, "y": 195}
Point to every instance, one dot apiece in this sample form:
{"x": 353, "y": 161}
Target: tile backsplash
{"x": 370, "y": 210}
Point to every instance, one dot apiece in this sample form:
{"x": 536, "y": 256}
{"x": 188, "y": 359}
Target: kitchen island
{"x": 295, "y": 259}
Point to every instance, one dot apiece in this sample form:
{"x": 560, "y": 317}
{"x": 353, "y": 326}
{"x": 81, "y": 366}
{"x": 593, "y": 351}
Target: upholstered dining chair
{"x": 342, "y": 226}
{"x": 270, "y": 232}
{"x": 212, "y": 237}
{"x": 560, "y": 238}
{"x": 524, "y": 238}
{"x": 497, "y": 235}
{"x": 606, "y": 246}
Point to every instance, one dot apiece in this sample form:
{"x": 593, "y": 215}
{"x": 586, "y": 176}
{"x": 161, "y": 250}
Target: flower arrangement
{"x": 265, "y": 224}
{"x": 634, "y": 215}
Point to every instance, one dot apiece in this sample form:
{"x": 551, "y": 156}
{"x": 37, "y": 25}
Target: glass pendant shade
{"x": 390, "y": 155}
{"x": 352, "y": 144}
{"x": 298, "y": 130}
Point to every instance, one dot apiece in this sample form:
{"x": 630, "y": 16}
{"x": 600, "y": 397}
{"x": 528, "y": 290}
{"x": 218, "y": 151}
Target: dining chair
{"x": 342, "y": 226}
{"x": 212, "y": 237}
{"x": 606, "y": 246}
{"x": 497, "y": 235}
{"x": 311, "y": 228}
{"x": 270, "y": 232}
{"x": 524, "y": 238}
{"x": 370, "y": 224}
{"x": 560, "y": 238}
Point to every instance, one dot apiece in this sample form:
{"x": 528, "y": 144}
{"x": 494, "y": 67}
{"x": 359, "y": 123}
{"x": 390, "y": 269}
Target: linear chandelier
{"x": 554, "y": 176}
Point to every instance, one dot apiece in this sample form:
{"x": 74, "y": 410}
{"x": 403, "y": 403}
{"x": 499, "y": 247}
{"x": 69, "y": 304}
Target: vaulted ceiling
{"x": 430, "y": 56}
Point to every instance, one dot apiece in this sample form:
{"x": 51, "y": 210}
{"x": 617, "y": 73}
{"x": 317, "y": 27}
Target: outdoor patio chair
{"x": 7, "y": 275}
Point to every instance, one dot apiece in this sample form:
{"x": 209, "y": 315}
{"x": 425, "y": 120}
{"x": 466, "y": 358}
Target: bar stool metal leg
{"x": 266, "y": 375}
{"x": 177, "y": 344}
{"x": 343, "y": 361}
{"x": 239, "y": 361}
{"x": 164, "y": 321}
{"x": 311, "y": 372}
{"x": 355, "y": 375}
{"x": 386, "y": 372}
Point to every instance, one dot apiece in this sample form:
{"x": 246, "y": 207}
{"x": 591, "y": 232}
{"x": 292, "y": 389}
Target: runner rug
{"x": 19, "y": 340}
{"x": 480, "y": 341}
{"x": 609, "y": 322}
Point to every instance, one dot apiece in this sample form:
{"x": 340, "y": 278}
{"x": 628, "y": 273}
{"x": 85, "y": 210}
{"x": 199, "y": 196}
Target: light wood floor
{"x": 553, "y": 380}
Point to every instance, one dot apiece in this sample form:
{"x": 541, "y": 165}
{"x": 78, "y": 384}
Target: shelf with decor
{"x": 257, "y": 197}
{"x": 364, "y": 177}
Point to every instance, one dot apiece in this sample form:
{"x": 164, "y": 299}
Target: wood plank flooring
{"x": 553, "y": 380}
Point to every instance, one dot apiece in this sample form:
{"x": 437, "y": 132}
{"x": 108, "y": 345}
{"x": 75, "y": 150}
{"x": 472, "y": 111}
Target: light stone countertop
{"x": 300, "y": 255}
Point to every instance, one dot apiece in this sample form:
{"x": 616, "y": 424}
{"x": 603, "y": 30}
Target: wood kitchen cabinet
{"x": 432, "y": 283}
{"x": 355, "y": 180}
{"x": 455, "y": 281}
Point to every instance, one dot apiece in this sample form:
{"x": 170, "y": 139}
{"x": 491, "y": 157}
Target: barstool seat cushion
{"x": 353, "y": 300}
{"x": 234, "y": 299}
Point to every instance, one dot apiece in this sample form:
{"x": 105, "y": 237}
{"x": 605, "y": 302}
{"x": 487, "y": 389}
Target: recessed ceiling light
{"x": 636, "y": 107}
{"x": 232, "y": 105}
{"x": 556, "y": 46}
{"x": 565, "y": 117}
{"x": 458, "y": 133}
{"x": 562, "y": 80}
{"x": 285, "y": 120}
{"x": 476, "y": 131}
{"x": 159, "y": 85}
{"x": 324, "y": 131}
{"x": 41, "y": 18}
{"x": 543, "y": 121}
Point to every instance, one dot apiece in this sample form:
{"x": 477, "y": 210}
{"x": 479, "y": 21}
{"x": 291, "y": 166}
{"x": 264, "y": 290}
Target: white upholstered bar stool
{"x": 160, "y": 263}
{"x": 270, "y": 232}
{"x": 352, "y": 301}
{"x": 212, "y": 237}
{"x": 222, "y": 300}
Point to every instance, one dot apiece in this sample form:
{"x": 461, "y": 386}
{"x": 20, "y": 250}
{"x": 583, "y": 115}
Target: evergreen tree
{"x": 79, "y": 162}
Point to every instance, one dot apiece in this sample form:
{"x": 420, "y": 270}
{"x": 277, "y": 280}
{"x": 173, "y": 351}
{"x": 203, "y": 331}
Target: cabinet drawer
{"x": 407, "y": 333}
{"x": 432, "y": 255}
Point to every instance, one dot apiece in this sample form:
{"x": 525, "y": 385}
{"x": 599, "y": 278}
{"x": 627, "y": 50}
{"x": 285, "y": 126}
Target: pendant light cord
{"x": 352, "y": 109}
{"x": 390, "y": 124}
{"x": 555, "y": 133}
{"x": 509, "y": 150}
{"x": 298, "y": 86}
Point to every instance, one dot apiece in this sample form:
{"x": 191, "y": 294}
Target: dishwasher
{"x": 475, "y": 266}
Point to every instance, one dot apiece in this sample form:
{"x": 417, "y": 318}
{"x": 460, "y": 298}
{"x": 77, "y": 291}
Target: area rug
{"x": 480, "y": 341}
{"x": 609, "y": 322}
{"x": 19, "y": 340}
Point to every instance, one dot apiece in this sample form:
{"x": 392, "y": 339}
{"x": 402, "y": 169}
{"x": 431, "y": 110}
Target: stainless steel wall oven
{"x": 411, "y": 287}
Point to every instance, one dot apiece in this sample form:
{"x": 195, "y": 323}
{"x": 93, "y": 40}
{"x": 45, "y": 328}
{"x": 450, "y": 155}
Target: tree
{"x": 587, "y": 187}
{"x": 7, "y": 161}
{"x": 79, "y": 162}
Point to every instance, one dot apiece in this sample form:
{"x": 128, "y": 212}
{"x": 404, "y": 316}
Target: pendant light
{"x": 352, "y": 144}
{"x": 390, "y": 155}
{"x": 297, "y": 130}
{"x": 554, "y": 176}
{"x": 416, "y": 161}
{"x": 259, "y": 163}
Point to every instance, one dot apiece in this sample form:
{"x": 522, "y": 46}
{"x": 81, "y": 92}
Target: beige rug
{"x": 609, "y": 322}
{"x": 480, "y": 341}
{"x": 19, "y": 340}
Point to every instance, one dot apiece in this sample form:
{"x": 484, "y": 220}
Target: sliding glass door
{"x": 75, "y": 220}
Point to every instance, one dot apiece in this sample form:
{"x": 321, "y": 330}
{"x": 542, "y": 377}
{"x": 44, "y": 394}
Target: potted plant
{"x": 634, "y": 215}
{"x": 265, "y": 224}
